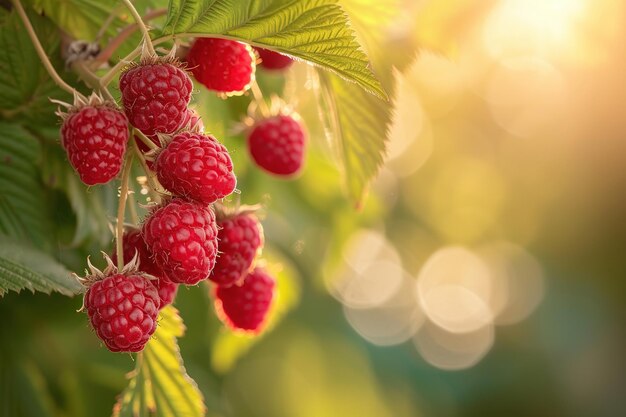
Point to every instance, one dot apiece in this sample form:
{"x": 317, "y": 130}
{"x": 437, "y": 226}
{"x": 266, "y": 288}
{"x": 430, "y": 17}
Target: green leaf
{"x": 81, "y": 19}
{"x": 356, "y": 124}
{"x": 160, "y": 386}
{"x": 316, "y": 31}
{"x": 25, "y": 86}
{"x": 87, "y": 203}
{"x": 229, "y": 345}
{"x": 22, "y": 203}
{"x": 23, "y": 267}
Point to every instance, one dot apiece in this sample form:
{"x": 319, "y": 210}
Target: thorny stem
{"x": 258, "y": 97}
{"x": 121, "y": 209}
{"x": 115, "y": 43}
{"x": 40, "y": 51}
{"x": 140, "y": 23}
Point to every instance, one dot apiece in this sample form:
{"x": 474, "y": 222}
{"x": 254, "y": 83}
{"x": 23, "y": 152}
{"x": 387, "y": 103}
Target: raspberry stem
{"x": 141, "y": 24}
{"x": 260, "y": 101}
{"x": 121, "y": 209}
{"x": 91, "y": 79}
{"x": 153, "y": 146}
{"x": 152, "y": 186}
{"x": 40, "y": 51}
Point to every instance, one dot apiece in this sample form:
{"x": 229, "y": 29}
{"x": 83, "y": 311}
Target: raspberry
{"x": 240, "y": 239}
{"x": 156, "y": 96}
{"x": 222, "y": 65}
{"x": 123, "y": 311}
{"x": 245, "y": 307}
{"x": 277, "y": 145}
{"x": 182, "y": 237}
{"x": 197, "y": 167}
{"x": 94, "y": 138}
{"x": 273, "y": 61}
{"x": 192, "y": 121}
{"x": 134, "y": 244}
{"x": 167, "y": 290}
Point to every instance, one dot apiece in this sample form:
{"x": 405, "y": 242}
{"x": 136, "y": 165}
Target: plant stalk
{"x": 121, "y": 209}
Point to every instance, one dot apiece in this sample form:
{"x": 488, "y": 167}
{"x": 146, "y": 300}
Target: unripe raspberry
{"x": 245, "y": 307}
{"x": 197, "y": 167}
{"x": 277, "y": 145}
{"x": 273, "y": 61}
{"x": 240, "y": 239}
{"x": 222, "y": 65}
{"x": 155, "y": 96}
{"x": 94, "y": 138}
{"x": 133, "y": 244}
{"x": 123, "y": 309}
{"x": 182, "y": 237}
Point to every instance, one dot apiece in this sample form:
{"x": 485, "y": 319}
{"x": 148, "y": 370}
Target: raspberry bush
{"x": 148, "y": 144}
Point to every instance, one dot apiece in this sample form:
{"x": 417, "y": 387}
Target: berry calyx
{"x": 277, "y": 145}
{"x": 273, "y": 61}
{"x": 182, "y": 237}
{"x": 94, "y": 135}
{"x": 122, "y": 307}
{"x": 240, "y": 240}
{"x": 245, "y": 307}
{"x": 133, "y": 244}
{"x": 222, "y": 65}
{"x": 155, "y": 95}
{"x": 197, "y": 167}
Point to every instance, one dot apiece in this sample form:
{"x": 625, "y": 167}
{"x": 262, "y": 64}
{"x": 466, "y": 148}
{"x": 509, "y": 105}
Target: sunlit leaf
{"x": 230, "y": 346}
{"x": 80, "y": 18}
{"x": 159, "y": 386}
{"x": 313, "y": 30}
{"x": 25, "y": 268}
{"x": 356, "y": 125}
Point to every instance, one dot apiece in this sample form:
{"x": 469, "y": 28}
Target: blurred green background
{"x": 484, "y": 275}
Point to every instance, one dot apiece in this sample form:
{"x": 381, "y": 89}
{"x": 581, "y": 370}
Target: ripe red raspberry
{"x": 240, "y": 239}
{"x": 123, "y": 310}
{"x": 192, "y": 121}
{"x": 155, "y": 96}
{"x": 133, "y": 244}
{"x": 245, "y": 307}
{"x": 277, "y": 145}
{"x": 197, "y": 167}
{"x": 94, "y": 138}
{"x": 222, "y": 65}
{"x": 273, "y": 61}
{"x": 182, "y": 237}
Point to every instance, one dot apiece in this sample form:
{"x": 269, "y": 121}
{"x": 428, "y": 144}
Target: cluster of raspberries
{"x": 184, "y": 240}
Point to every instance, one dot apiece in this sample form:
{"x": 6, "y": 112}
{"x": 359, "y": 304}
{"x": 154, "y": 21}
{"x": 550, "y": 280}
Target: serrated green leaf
{"x": 230, "y": 346}
{"x": 23, "y": 267}
{"x": 316, "y": 31}
{"x": 356, "y": 124}
{"x": 22, "y": 203}
{"x": 160, "y": 386}
{"x": 25, "y": 86}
